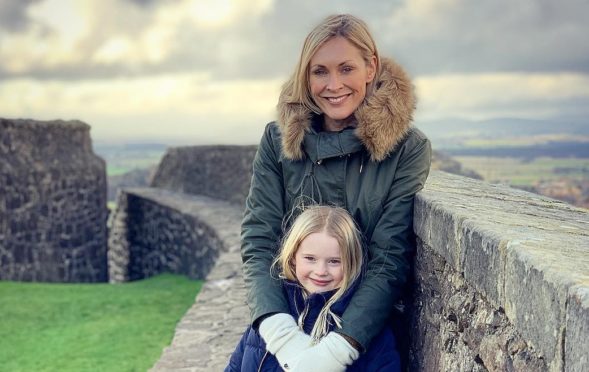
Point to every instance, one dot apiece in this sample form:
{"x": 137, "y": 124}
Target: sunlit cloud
{"x": 61, "y": 33}
{"x": 157, "y": 100}
{"x": 483, "y": 96}
{"x": 213, "y": 69}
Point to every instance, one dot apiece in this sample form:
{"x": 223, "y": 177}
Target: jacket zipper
{"x": 262, "y": 361}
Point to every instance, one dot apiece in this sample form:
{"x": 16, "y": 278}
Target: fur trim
{"x": 384, "y": 118}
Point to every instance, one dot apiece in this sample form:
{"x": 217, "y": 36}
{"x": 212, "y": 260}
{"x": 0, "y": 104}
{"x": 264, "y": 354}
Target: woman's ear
{"x": 371, "y": 69}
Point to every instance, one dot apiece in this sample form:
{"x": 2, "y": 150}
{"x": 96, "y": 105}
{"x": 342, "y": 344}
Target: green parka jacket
{"x": 373, "y": 170}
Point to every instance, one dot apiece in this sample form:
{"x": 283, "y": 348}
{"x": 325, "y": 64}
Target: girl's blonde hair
{"x": 337, "y": 223}
{"x": 347, "y": 26}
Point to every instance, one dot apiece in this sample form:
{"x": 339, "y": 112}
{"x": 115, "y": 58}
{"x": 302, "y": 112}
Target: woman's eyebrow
{"x": 340, "y": 64}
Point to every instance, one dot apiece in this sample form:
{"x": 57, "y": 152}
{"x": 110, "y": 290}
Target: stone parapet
{"x": 52, "y": 203}
{"x": 155, "y": 231}
{"x": 208, "y": 333}
{"x": 221, "y": 172}
{"x": 505, "y": 271}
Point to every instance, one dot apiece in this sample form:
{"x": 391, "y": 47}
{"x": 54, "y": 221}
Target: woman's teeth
{"x": 336, "y": 99}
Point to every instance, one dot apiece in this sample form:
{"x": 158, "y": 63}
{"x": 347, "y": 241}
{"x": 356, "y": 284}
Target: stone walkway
{"x": 208, "y": 333}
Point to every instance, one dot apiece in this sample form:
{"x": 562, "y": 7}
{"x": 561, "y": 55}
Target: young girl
{"x": 320, "y": 265}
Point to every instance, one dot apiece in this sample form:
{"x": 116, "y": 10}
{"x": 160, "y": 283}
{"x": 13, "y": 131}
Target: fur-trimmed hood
{"x": 383, "y": 118}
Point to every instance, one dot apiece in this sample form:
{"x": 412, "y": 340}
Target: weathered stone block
{"x": 577, "y": 329}
{"x": 439, "y": 229}
{"x": 484, "y": 261}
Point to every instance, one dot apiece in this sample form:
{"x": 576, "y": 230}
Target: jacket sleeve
{"x": 261, "y": 230}
{"x": 236, "y": 359}
{"x": 390, "y": 246}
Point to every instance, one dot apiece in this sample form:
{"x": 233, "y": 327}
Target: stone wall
{"x": 208, "y": 333}
{"x": 155, "y": 231}
{"x": 52, "y": 203}
{"x": 221, "y": 172}
{"x": 501, "y": 280}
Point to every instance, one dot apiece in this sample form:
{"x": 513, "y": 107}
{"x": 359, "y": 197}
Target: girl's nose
{"x": 322, "y": 270}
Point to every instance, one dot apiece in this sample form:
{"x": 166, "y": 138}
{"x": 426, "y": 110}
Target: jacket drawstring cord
{"x": 315, "y": 191}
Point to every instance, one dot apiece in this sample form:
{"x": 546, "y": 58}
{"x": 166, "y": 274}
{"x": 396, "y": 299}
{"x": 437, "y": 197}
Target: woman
{"x": 343, "y": 137}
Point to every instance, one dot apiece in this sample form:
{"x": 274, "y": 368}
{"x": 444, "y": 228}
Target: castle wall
{"x": 501, "y": 280}
{"x": 221, "y": 172}
{"x": 52, "y": 203}
{"x": 155, "y": 231}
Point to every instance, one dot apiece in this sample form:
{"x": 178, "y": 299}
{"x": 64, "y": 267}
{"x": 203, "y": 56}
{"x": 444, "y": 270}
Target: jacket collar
{"x": 322, "y": 145}
{"x": 383, "y": 119}
{"x": 297, "y": 301}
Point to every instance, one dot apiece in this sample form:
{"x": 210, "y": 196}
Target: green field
{"x": 120, "y": 166}
{"x": 124, "y": 158}
{"x": 517, "y": 171}
{"x": 90, "y": 327}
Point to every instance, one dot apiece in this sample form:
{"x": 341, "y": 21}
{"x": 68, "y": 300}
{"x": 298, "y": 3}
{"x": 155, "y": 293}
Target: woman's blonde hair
{"x": 347, "y": 26}
{"x": 337, "y": 223}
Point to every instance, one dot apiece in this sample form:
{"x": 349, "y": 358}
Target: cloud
{"x": 71, "y": 39}
{"x": 79, "y": 39}
{"x": 212, "y": 69}
{"x": 480, "y": 36}
{"x": 173, "y": 106}
{"x": 13, "y": 14}
{"x": 483, "y": 96}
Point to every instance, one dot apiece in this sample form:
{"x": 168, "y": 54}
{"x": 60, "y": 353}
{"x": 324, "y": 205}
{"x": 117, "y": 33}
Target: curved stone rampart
{"x": 221, "y": 172}
{"x": 208, "y": 333}
{"x": 52, "y": 203}
{"x": 155, "y": 231}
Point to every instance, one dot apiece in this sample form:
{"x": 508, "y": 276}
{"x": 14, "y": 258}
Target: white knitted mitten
{"x": 332, "y": 354}
{"x": 284, "y": 338}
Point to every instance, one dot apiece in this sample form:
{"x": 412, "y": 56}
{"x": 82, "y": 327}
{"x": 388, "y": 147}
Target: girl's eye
{"x": 335, "y": 262}
{"x": 309, "y": 258}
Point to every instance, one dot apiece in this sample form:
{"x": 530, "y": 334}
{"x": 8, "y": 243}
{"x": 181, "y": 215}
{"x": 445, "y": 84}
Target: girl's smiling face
{"x": 318, "y": 264}
{"x": 338, "y": 76}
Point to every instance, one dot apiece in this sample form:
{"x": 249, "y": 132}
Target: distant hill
{"x": 507, "y": 132}
{"x": 444, "y": 162}
{"x": 140, "y": 177}
{"x": 123, "y": 158}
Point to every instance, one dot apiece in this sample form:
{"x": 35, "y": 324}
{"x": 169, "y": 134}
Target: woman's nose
{"x": 334, "y": 82}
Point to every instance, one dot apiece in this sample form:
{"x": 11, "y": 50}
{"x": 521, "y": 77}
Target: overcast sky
{"x": 209, "y": 71}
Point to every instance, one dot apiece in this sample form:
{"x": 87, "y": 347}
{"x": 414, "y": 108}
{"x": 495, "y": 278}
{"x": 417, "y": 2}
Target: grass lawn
{"x": 90, "y": 327}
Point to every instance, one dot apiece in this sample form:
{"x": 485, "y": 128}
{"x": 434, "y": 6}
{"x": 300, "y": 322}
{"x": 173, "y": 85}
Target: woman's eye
{"x": 319, "y": 72}
{"x": 347, "y": 69}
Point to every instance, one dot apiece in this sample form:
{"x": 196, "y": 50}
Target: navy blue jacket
{"x": 251, "y": 351}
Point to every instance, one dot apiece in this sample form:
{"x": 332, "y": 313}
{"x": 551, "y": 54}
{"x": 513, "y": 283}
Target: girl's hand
{"x": 284, "y": 339}
{"x": 332, "y": 354}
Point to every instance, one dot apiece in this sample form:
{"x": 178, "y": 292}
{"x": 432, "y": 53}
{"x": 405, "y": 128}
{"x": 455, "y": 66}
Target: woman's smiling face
{"x": 338, "y": 76}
